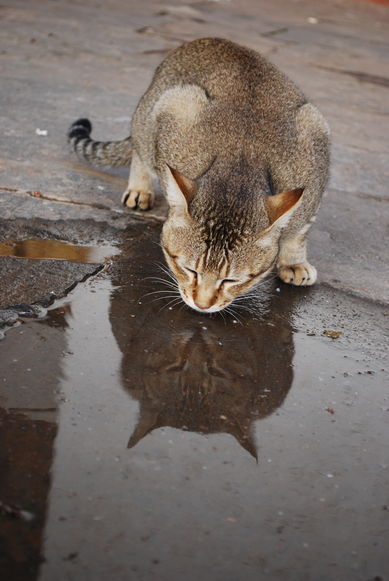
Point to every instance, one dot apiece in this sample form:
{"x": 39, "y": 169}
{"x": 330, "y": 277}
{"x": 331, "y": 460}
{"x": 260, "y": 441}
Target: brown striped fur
{"x": 243, "y": 160}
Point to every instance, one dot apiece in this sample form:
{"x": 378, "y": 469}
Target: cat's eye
{"x": 229, "y": 280}
{"x": 173, "y": 256}
{"x": 191, "y": 271}
{"x": 252, "y": 276}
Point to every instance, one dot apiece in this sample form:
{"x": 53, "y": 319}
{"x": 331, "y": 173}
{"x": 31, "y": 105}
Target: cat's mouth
{"x": 211, "y": 309}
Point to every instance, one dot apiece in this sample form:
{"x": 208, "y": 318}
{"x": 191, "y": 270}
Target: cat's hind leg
{"x": 139, "y": 192}
{"x": 292, "y": 264}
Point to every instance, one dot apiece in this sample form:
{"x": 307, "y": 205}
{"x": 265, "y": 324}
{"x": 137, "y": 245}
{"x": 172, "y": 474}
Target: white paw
{"x": 138, "y": 199}
{"x": 298, "y": 274}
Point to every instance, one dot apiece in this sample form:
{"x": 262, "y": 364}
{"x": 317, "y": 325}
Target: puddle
{"x": 56, "y": 249}
{"x": 150, "y": 441}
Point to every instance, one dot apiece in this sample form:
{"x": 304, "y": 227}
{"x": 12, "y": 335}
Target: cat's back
{"x": 229, "y": 72}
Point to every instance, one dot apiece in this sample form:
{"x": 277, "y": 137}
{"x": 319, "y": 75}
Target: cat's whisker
{"x": 167, "y": 289}
{"x": 234, "y": 312}
{"x": 164, "y": 298}
{"x": 158, "y": 278}
{"x": 165, "y": 270}
{"x": 254, "y": 305}
{"x": 253, "y": 295}
{"x": 155, "y": 292}
{"x": 266, "y": 292}
{"x": 256, "y": 293}
{"x": 162, "y": 266}
{"x": 223, "y": 316}
{"x": 162, "y": 280}
{"x": 170, "y": 279}
{"x": 159, "y": 298}
{"x": 246, "y": 297}
{"x": 257, "y": 299}
{"x": 262, "y": 288}
{"x": 231, "y": 311}
{"x": 244, "y": 308}
{"x": 265, "y": 281}
{"x": 250, "y": 310}
{"x": 171, "y": 304}
{"x": 169, "y": 275}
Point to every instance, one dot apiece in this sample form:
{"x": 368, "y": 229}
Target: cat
{"x": 243, "y": 159}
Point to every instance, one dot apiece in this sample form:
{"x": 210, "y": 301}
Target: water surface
{"x": 151, "y": 442}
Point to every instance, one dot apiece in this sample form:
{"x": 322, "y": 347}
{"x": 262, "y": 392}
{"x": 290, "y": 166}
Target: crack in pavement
{"x": 96, "y": 206}
{"x": 358, "y": 75}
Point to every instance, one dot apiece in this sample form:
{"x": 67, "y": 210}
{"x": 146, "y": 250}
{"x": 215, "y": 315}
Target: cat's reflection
{"x": 195, "y": 372}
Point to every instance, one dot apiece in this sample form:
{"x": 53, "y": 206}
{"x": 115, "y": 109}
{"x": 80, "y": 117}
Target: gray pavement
{"x": 61, "y": 60}
{"x": 142, "y": 441}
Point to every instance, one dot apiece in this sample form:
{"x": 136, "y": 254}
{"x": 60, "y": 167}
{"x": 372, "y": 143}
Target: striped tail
{"x": 102, "y": 153}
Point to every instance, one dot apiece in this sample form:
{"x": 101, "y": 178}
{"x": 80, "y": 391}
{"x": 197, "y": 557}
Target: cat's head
{"x": 217, "y": 256}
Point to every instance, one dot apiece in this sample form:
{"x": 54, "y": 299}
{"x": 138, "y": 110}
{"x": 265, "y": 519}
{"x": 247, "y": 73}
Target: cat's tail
{"x": 101, "y": 153}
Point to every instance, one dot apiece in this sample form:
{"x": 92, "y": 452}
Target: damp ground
{"x": 143, "y": 440}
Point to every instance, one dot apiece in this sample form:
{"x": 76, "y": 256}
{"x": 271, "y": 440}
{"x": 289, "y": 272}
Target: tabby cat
{"x": 242, "y": 158}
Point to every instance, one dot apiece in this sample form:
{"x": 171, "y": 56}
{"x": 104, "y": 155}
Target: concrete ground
{"x": 141, "y": 440}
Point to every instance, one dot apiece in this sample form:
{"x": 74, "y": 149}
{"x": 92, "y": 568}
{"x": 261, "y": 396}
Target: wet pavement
{"x": 141, "y": 440}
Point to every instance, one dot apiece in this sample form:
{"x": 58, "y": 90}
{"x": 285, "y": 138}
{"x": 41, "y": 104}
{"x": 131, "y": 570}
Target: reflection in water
{"x": 30, "y": 374}
{"x": 56, "y": 249}
{"x": 191, "y": 371}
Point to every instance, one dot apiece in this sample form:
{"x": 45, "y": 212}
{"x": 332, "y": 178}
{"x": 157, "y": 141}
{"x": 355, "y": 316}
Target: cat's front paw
{"x": 303, "y": 274}
{"x": 138, "y": 199}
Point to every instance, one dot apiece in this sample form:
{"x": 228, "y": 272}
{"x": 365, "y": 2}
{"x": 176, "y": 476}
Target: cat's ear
{"x": 280, "y": 207}
{"x": 180, "y": 191}
{"x": 147, "y": 422}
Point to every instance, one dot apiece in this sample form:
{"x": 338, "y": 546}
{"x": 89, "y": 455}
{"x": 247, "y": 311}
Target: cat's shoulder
{"x": 310, "y": 120}
{"x": 182, "y": 101}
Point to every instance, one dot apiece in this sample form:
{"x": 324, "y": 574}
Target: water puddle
{"x": 151, "y": 441}
{"x": 56, "y": 250}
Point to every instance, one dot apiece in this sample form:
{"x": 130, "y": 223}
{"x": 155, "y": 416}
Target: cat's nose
{"x": 204, "y": 295}
{"x": 202, "y": 306}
